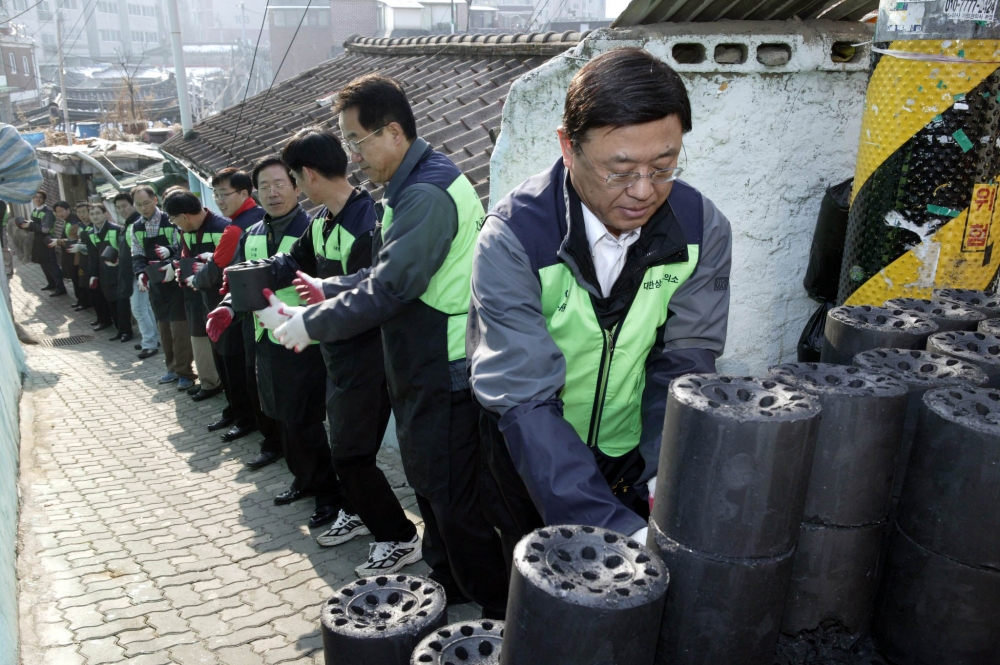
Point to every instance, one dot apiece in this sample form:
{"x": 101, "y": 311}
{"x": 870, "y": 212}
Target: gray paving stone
{"x": 146, "y": 540}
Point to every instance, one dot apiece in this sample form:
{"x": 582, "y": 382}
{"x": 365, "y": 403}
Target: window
{"x": 20, "y": 5}
{"x": 148, "y": 10}
{"x": 152, "y": 37}
{"x": 111, "y": 35}
{"x": 144, "y": 37}
{"x": 13, "y": 64}
{"x": 66, "y": 4}
{"x": 24, "y": 61}
{"x": 107, "y": 7}
{"x": 44, "y": 11}
{"x": 134, "y": 10}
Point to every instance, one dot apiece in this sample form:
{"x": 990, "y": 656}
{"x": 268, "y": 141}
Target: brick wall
{"x": 352, "y": 17}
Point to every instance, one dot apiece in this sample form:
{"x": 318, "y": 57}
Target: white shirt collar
{"x": 596, "y": 231}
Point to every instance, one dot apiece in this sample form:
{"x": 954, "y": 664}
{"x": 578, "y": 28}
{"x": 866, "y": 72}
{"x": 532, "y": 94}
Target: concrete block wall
{"x": 776, "y": 121}
{"x": 12, "y": 368}
{"x": 352, "y": 17}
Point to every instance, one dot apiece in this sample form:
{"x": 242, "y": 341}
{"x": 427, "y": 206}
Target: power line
{"x": 278, "y": 70}
{"x": 22, "y": 13}
{"x": 250, "y": 73}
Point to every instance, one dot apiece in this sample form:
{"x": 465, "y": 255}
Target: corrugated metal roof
{"x": 642, "y": 12}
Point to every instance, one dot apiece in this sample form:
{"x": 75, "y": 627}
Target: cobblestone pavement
{"x": 143, "y": 537}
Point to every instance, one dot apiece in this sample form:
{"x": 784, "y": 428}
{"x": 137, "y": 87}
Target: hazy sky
{"x": 615, "y": 7}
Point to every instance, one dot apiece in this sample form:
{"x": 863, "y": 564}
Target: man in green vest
{"x": 417, "y": 290}
{"x": 594, "y": 285}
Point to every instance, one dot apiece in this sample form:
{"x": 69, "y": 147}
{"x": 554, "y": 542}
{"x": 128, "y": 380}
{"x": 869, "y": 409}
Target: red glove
{"x": 308, "y": 288}
{"x": 225, "y": 284}
{"x": 226, "y": 248}
{"x": 94, "y": 283}
{"x": 219, "y": 319}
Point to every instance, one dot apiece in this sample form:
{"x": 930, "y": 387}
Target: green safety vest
{"x": 111, "y": 238}
{"x": 337, "y": 247}
{"x": 256, "y": 249}
{"x": 167, "y": 232}
{"x": 191, "y": 239}
{"x": 606, "y": 369}
{"x": 450, "y": 290}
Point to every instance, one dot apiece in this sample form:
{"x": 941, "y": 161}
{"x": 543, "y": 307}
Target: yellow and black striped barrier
{"x": 923, "y": 209}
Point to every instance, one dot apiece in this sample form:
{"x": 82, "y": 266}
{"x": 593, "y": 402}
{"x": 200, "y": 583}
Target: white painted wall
{"x": 766, "y": 143}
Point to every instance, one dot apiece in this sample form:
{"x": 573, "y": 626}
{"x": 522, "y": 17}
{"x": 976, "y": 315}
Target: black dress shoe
{"x": 323, "y": 515}
{"x": 127, "y": 337}
{"x": 101, "y": 326}
{"x": 57, "y": 293}
{"x": 205, "y": 394}
{"x": 138, "y": 347}
{"x": 289, "y": 496}
{"x": 240, "y": 431}
{"x": 95, "y": 322}
{"x": 220, "y": 424}
{"x": 261, "y": 460}
{"x": 146, "y": 353}
{"x": 115, "y": 338}
{"x": 47, "y": 288}
{"x": 78, "y": 308}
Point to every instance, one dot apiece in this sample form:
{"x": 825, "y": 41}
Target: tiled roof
{"x": 457, "y": 85}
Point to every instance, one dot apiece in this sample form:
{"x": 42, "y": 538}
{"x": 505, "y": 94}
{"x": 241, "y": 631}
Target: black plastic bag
{"x": 811, "y": 340}
{"x": 827, "y": 253}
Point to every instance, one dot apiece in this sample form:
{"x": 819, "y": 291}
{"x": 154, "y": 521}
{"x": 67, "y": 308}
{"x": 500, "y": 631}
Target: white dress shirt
{"x": 608, "y": 251}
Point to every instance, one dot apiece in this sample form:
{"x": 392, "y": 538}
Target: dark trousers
{"x": 456, "y": 534}
{"x": 307, "y": 454}
{"x": 124, "y": 316}
{"x": 268, "y": 426}
{"x": 101, "y": 306}
{"x": 80, "y": 289}
{"x": 53, "y": 271}
{"x": 364, "y": 484}
{"x": 233, "y": 374}
{"x": 113, "y": 312}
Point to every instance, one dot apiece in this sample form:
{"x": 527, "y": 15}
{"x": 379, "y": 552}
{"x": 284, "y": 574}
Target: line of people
{"x": 525, "y": 353}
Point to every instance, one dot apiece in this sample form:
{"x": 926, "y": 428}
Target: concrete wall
{"x": 767, "y": 141}
{"x": 12, "y": 368}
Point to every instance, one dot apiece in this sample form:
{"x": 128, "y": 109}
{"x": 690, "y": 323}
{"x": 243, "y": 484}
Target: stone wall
{"x": 776, "y": 121}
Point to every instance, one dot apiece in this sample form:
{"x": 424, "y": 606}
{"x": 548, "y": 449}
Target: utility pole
{"x": 180, "y": 74}
{"x": 454, "y": 18}
{"x": 243, "y": 23}
{"x": 62, "y": 79}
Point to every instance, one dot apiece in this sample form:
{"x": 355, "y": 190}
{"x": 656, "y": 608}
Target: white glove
{"x": 292, "y": 334}
{"x": 271, "y": 317}
{"x": 52, "y": 243}
{"x": 641, "y": 535}
{"x": 205, "y": 257}
{"x": 651, "y": 486}
{"x": 110, "y": 264}
{"x": 168, "y": 272}
{"x": 189, "y": 282}
{"x": 143, "y": 282}
{"x": 162, "y": 252}
{"x": 75, "y": 248}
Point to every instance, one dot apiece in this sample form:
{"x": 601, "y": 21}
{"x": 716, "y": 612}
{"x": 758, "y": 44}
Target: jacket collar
{"x": 413, "y": 156}
{"x": 661, "y": 239}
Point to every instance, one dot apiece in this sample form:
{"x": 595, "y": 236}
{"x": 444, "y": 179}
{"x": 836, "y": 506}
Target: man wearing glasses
{"x": 291, "y": 386}
{"x": 234, "y": 350}
{"x": 417, "y": 290}
{"x": 594, "y": 284}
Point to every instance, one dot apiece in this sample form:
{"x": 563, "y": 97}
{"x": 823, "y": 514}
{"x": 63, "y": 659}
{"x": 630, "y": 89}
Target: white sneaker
{"x": 386, "y": 558}
{"x": 345, "y": 527}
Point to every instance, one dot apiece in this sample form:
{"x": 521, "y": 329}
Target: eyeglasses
{"x": 278, "y": 186}
{"x": 626, "y": 180}
{"x": 354, "y": 147}
{"x": 222, "y": 196}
